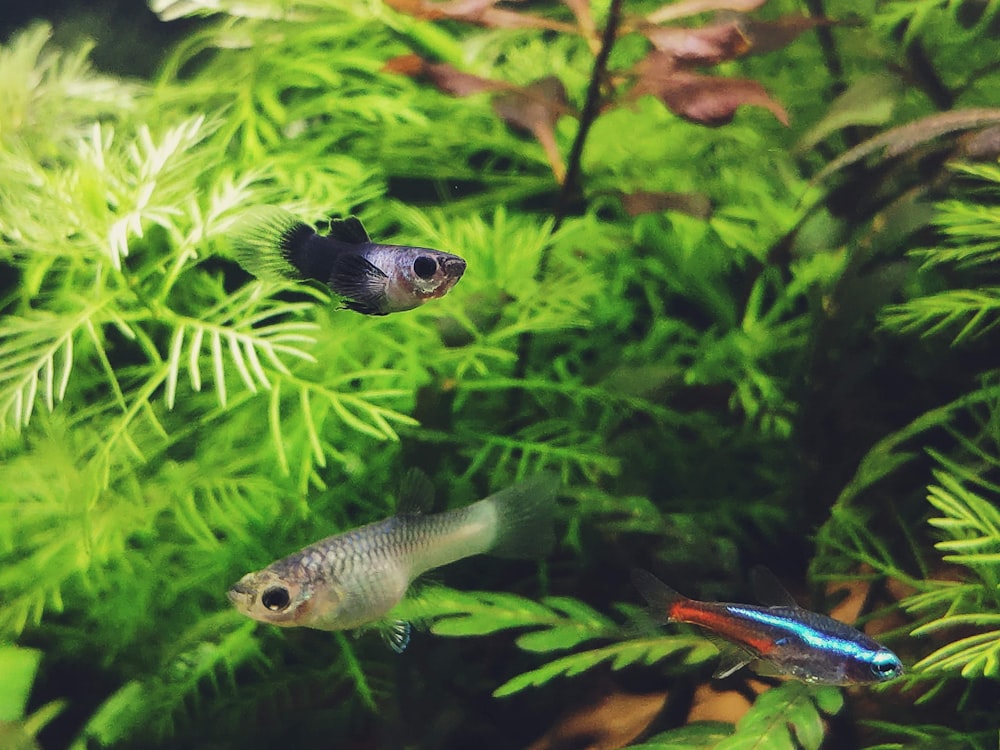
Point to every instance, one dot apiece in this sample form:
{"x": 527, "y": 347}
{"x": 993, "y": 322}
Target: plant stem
{"x": 828, "y": 46}
{"x": 571, "y": 187}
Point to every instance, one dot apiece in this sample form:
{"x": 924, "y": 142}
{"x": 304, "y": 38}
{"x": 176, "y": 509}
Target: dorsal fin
{"x": 416, "y": 494}
{"x": 768, "y": 589}
{"x": 349, "y": 230}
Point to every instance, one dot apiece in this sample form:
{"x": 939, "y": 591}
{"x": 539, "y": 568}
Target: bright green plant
{"x": 648, "y": 311}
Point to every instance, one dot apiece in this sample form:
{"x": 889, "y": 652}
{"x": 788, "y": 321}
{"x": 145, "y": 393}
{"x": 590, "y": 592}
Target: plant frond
{"x": 545, "y": 444}
{"x": 646, "y": 651}
{"x": 156, "y": 703}
{"x": 239, "y": 332}
{"x": 973, "y": 312}
{"x": 974, "y": 656}
{"x": 565, "y": 622}
{"x": 36, "y": 359}
{"x": 787, "y": 717}
{"x": 971, "y": 522}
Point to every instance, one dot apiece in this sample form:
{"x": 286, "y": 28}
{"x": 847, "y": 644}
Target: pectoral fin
{"x": 361, "y": 283}
{"x": 731, "y": 658}
{"x": 396, "y": 634}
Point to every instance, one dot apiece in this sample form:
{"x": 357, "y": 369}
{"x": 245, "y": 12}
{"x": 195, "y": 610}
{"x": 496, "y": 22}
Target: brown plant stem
{"x": 571, "y": 187}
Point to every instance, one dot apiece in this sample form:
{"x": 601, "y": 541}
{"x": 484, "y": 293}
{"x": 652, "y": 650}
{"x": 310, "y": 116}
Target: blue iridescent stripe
{"x": 809, "y": 635}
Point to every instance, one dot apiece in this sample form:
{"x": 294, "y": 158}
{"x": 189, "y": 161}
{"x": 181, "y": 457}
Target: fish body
{"x": 796, "y": 642}
{"x": 372, "y": 278}
{"x": 353, "y": 579}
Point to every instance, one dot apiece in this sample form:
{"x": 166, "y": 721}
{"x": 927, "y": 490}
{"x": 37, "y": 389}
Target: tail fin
{"x": 660, "y": 597}
{"x": 268, "y": 240}
{"x": 524, "y": 517}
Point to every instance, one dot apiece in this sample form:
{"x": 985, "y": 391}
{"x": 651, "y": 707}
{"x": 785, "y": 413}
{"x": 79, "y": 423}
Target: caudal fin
{"x": 660, "y": 597}
{"x": 267, "y": 241}
{"x": 524, "y": 517}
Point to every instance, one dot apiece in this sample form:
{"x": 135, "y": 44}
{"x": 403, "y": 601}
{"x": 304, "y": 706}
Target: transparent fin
{"x": 768, "y": 589}
{"x": 396, "y": 634}
{"x": 416, "y": 494}
{"x": 262, "y": 241}
{"x": 524, "y": 517}
{"x": 731, "y": 658}
{"x": 657, "y": 594}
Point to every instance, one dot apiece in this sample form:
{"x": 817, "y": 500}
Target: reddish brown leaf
{"x": 706, "y": 100}
{"x": 405, "y": 65}
{"x": 768, "y": 36}
{"x": 445, "y": 77}
{"x": 686, "y": 8}
{"x": 581, "y": 9}
{"x": 708, "y": 45}
{"x": 537, "y": 108}
{"x": 479, "y": 12}
{"x": 643, "y": 202}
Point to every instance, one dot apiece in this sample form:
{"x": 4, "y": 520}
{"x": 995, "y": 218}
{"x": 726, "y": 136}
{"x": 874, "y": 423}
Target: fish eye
{"x": 275, "y": 598}
{"x": 425, "y": 266}
{"x": 886, "y": 666}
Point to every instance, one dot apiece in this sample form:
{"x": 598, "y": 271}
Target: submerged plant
{"x": 719, "y": 374}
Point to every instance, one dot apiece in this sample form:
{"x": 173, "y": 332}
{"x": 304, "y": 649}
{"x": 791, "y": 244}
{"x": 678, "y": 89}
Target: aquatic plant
{"x": 733, "y": 345}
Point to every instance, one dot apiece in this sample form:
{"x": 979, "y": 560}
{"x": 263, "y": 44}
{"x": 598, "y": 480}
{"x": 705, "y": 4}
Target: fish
{"x": 792, "y": 641}
{"x": 370, "y": 278}
{"x": 353, "y": 579}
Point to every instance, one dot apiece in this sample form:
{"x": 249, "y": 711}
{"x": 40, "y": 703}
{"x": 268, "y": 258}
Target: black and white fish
{"x": 371, "y": 278}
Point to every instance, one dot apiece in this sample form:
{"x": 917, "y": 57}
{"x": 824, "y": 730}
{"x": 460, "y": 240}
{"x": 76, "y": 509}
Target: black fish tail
{"x": 273, "y": 244}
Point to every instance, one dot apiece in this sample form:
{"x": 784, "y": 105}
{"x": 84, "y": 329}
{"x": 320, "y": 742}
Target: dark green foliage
{"x": 735, "y": 344}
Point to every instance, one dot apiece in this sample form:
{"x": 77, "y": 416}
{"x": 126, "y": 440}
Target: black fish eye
{"x": 424, "y": 266}
{"x": 884, "y": 668}
{"x": 275, "y": 598}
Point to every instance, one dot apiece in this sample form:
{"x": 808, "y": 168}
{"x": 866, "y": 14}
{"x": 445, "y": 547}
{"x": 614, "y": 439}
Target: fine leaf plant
{"x": 652, "y": 315}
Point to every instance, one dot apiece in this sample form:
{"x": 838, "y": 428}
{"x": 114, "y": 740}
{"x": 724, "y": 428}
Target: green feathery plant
{"x": 646, "y": 311}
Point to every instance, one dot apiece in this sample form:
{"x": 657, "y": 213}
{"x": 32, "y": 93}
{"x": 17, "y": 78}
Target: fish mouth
{"x": 453, "y": 267}
{"x": 237, "y": 593}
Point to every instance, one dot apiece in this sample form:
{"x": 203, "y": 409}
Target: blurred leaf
{"x": 686, "y": 8}
{"x": 768, "y": 36}
{"x": 904, "y": 138}
{"x": 868, "y": 101}
{"x": 708, "y": 45}
{"x": 644, "y": 202}
{"x": 481, "y": 12}
{"x": 620, "y": 655}
{"x": 18, "y": 667}
{"x": 706, "y": 100}
{"x": 537, "y": 108}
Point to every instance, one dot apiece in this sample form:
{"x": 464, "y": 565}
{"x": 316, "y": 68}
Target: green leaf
{"x": 695, "y": 736}
{"x": 787, "y": 717}
{"x": 18, "y": 667}
{"x": 620, "y": 655}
